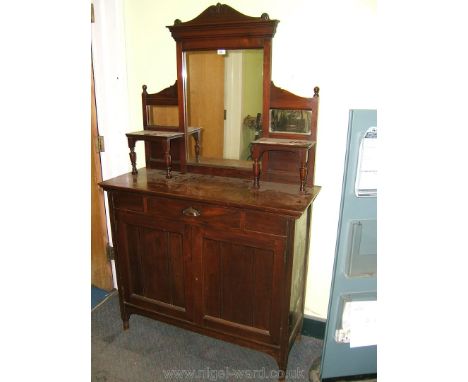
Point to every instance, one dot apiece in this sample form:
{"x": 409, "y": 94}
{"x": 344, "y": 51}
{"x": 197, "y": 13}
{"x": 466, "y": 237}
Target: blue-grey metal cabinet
{"x": 351, "y": 318}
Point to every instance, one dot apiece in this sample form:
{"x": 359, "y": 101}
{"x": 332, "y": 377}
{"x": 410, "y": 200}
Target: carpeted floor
{"x": 152, "y": 351}
{"x": 97, "y": 296}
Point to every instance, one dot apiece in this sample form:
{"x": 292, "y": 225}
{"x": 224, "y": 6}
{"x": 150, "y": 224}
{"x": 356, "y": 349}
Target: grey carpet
{"x": 150, "y": 350}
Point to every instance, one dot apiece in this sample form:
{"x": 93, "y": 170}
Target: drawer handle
{"x": 190, "y": 211}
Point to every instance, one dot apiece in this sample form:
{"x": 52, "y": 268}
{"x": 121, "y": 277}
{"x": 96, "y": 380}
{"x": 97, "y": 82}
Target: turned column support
{"x": 131, "y": 146}
{"x": 303, "y": 157}
{"x": 196, "y": 137}
{"x": 256, "y": 154}
{"x": 163, "y": 137}
{"x": 167, "y": 157}
{"x": 300, "y": 147}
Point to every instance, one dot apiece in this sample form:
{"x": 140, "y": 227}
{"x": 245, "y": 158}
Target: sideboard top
{"x": 270, "y": 197}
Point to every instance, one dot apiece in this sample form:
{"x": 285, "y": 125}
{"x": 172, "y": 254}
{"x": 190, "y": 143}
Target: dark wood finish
{"x": 164, "y": 137}
{"x": 276, "y": 198}
{"x": 157, "y": 152}
{"x": 300, "y": 147}
{"x": 128, "y": 201}
{"x": 204, "y": 249}
{"x": 222, "y": 27}
{"x": 283, "y": 99}
{"x": 154, "y": 147}
{"x": 281, "y": 166}
{"x": 238, "y": 275}
{"x": 155, "y": 258}
{"x": 167, "y": 97}
{"x": 213, "y": 254}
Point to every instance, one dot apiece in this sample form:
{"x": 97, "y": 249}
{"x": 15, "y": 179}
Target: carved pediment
{"x": 221, "y": 13}
{"x": 283, "y": 99}
{"x": 221, "y": 20}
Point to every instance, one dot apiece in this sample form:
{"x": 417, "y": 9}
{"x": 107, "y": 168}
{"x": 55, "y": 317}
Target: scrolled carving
{"x": 222, "y": 21}
{"x": 169, "y": 92}
{"x": 221, "y": 13}
{"x": 167, "y": 96}
{"x": 220, "y": 9}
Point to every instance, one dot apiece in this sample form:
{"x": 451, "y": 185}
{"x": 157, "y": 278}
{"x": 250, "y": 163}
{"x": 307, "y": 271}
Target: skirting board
{"x": 313, "y": 327}
{"x": 355, "y": 378}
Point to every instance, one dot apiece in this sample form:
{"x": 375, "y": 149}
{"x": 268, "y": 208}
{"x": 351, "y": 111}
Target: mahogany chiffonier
{"x": 213, "y": 248}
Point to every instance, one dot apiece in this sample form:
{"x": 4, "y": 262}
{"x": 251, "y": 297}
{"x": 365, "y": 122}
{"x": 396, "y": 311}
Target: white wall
{"x": 110, "y": 71}
{"x": 318, "y": 43}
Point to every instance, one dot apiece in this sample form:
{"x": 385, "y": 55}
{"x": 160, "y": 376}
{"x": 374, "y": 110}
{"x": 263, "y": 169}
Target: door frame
{"x": 111, "y": 88}
{"x": 101, "y": 268}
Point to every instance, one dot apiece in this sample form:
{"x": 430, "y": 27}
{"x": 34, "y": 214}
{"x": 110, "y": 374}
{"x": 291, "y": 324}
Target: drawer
{"x": 195, "y": 212}
{"x": 128, "y": 201}
{"x": 265, "y": 223}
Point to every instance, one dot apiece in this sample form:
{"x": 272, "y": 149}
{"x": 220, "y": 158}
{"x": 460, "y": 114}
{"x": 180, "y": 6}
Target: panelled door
{"x": 101, "y": 271}
{"x": 157, "y": 261}
{"x": 241, "y": 283}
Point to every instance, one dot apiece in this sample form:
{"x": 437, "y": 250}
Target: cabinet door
{"x": 154, "y": 260}
{"x": 241, "y": 283}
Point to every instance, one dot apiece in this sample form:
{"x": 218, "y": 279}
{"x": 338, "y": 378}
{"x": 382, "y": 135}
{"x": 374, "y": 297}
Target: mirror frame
{"x": 222, "y": 27}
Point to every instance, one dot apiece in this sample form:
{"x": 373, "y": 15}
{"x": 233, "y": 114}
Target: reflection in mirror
{"x": 163, "y": 116}
{"x": 290, "y": 121}
{"x": 224, "y": 91}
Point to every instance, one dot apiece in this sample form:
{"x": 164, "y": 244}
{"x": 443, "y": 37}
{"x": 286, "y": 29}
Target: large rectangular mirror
{"x": 223, "y": 96}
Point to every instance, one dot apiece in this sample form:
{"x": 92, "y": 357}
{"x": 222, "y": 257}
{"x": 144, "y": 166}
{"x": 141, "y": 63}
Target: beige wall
{"x": 325, "y": 43}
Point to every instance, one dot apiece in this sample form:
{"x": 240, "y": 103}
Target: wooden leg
{"x": 125, "y": 319}
{"x": 303, "y": 169}
{"x": 167, "y": 158}
{"x": 196, "y": 136}
{"x": 256, "y": 171}
{"x": 256, "y": 167}
{"x": 303, "y": 175}
{"x": 282, "y": 365}
{"x": 131, "y": 145}
{"x": 126, "y": 324}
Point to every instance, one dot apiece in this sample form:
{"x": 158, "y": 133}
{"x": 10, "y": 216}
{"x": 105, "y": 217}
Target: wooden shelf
{"x": 150, "y": 135}
{"x": 165, "y": 137}
{"x": 290, "y": 143}
{"x": 301, "y": 147}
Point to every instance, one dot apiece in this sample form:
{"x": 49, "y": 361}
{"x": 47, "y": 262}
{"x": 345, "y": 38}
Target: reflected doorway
{"x": 223, "y": 88}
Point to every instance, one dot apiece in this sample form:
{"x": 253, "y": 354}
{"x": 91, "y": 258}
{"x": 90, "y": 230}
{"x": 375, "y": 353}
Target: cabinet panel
{"x": 157, "y": 260}
{"x": 239, "y": 291}
{"x": 267, "y": 223}
{"x": 162, "y": 265}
